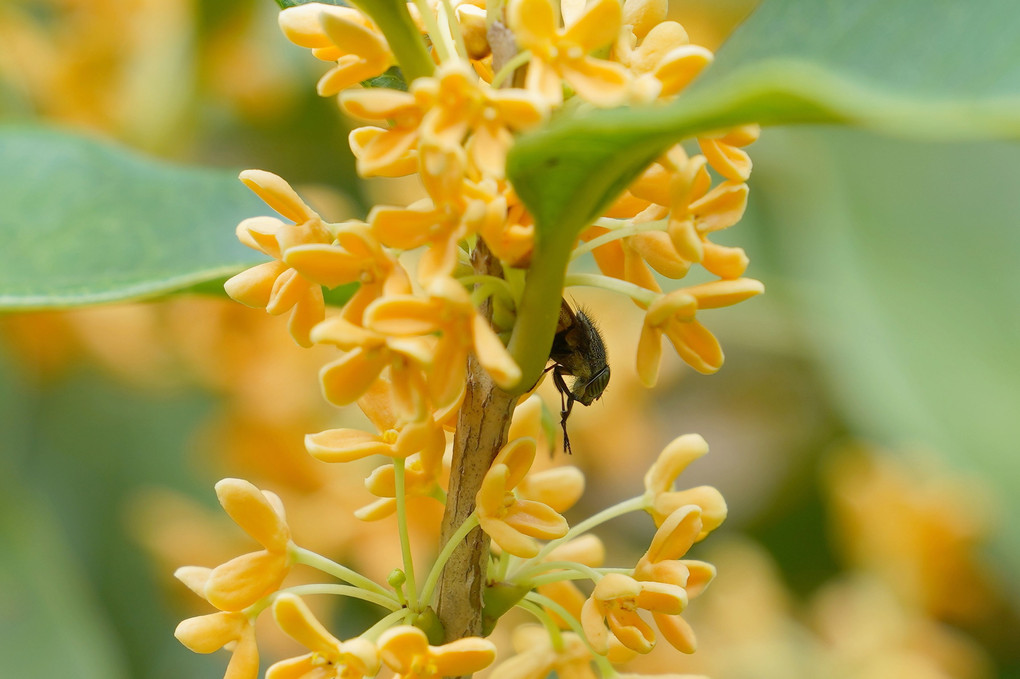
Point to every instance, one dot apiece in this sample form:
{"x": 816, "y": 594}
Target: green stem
{"x": 451, "y": 22}
{"x": 632, "y": 505}
{"x": 616, "y": 234}
{"x": 375, "y": 631}
{"x": 555, "y": 635}
{"x": 539, "y": 310}
{"x": 432, "y": 26}
{"x": 509, "y": 67}
{"x": 405, "y": 540}
{"x": 594, "y": 280}
{"x": 564, "y": 568}
{"x": 345, "y": 590}
{"x": 602, "y": 661}
{"x": 315, "y": 560}
{"x": 444, "y": 556}
{"x": 403, "y": 37}
{"x": 559, "y": 610}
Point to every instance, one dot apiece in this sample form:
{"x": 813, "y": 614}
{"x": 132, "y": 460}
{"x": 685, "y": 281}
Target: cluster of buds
{"x": 438, "y": 289}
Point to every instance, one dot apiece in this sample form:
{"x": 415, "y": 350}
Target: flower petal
{"x": 344, "y": 381}
{"x": 463, "y": 656}
{"x": 696, "y": 345}
{"x": 245, "y": 579}
{"x": 401, "y": 646}
{"x": 296, "y": 619}
{"x": 673, "y": 460}
{"x": 536, "y": 520}
{"x": 278, "y": 194}
{"x": 253, "y": 287}
{"x": 345, "y": 445}
{"x": 252, "y": 511}
{"x": 325, "y": 264}
{"x": 597, "y": 27}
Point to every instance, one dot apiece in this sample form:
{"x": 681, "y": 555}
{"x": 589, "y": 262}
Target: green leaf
{"x": 50, "y": 621}
{"x": 895, "y": 67}
{"x": 85, "y": 222}
{"x": 900, "y": 260}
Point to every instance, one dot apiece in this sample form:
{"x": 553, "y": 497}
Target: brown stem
{"x": 482, "y": 427}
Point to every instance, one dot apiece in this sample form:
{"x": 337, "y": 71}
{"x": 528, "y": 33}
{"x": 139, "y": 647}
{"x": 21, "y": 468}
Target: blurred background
{"x": 864, "y": 429}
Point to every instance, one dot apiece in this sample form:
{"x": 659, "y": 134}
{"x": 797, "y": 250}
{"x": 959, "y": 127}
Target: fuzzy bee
{"x": 577, "y": 350}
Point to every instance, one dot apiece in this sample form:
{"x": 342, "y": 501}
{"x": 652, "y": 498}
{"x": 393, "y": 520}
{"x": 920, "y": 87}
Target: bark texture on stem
{"x": 481, "y": 432}
{"x": 482, "y": 427}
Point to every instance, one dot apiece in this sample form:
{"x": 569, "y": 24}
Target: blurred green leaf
{"x": 914, "y": 67}
{"x": 85, "y": 222}
{"x": 44, "y": 597}
{"x": 901, "y": 261}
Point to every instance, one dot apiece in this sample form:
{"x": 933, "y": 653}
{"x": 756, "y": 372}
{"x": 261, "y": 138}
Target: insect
{"x": 577, "y": 350}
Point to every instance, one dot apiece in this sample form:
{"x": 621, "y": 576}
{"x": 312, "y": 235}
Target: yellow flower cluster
{"x": 423, "y": 310}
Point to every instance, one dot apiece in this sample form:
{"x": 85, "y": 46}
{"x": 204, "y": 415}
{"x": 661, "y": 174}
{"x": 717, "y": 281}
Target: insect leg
{"x": 566, "y": 405}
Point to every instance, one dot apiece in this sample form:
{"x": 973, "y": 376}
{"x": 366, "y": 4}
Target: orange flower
{"x": 680, "y": 185}
{"x": 208, "y": 633}
{"x": 537, "y": 657}
{"x": 657, "y": 52}
{"x": 661, "y": 563}
{"x": 458, "y": 104}
{"x": 368, "y": 354}
{"x": 242, "y": 581}
{"x": 354, "y": 257}
{"x": 448, "y": 311}
{"x": 673, "y": 315}
{"x": 406, "y": 651}
{"x": 724, "y": 152}
{"x": 386, "y": 152}
{"x": 660, "y": 498}
{"x": 396, "y": 438}
{"x": 511, "y": 522}
{"x": 340, "y": 34}
{"x": 612, "y": 611}
{"x": 565, "y": 53}
{"x": 455, "y": 209}
{"x": 330, "y": 658}
{"x": 421, "y": 479}
{"x": 276, "y": 286}
{"x": 587, "y": 550}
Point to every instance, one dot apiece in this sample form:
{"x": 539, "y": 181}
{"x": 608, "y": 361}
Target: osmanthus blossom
{"x": 368, "y": 353}
{"x": 455, "y": 208}
{"x": 658, "y": 53}
{"x": 397, "y": 436}
{"x": 330, "y": 658}
{"x": 681, "y": 188}
{"x": 513, "y": 523}
{"x": 407, "y": 652}
{"x": 276, "y": 286}
{"x": 449, "y": 311}
{"x": 564, "y": 54}
{"x": 586, "y": 550}
{"x": 355, "y": 256}
{"x": 662, "y": 563}
{"x": 340, "y": 34}
{"x": 537, "y": 656}
{"x": 379, "y": 151}
{"x": 674, "y": 315}
{"x": 461, "y": 108}
{"x": 234, "y": 630}
{"x": 725, "y": 152}
{"x": 422, "y": 478}
{"x": 242, "y": 581}
{"x": 661, "y": 500}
